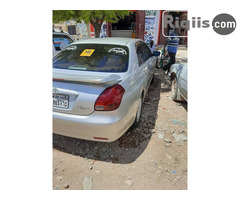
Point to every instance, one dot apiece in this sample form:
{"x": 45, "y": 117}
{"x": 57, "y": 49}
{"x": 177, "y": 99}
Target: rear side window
{"x": 61, "y": 41}
{"x": 93, "y": 57}
{"x": 143, "y": 52}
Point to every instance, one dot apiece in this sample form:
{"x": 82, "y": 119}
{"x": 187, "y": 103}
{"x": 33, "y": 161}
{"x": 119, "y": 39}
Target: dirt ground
{"x": 151, "y": 157}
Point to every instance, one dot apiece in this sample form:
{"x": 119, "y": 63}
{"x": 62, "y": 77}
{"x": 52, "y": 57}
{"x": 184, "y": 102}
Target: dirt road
{"x": 153, "y": 156}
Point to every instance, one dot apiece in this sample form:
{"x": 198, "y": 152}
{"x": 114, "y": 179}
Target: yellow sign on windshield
{"x": 87, "y": 52}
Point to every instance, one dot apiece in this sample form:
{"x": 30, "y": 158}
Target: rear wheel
{"x": 138, "y": 114}
{"x": 152, "y": 79}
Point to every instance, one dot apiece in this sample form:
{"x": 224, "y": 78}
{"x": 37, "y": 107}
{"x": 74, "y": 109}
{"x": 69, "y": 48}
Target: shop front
{"x": 140, "y": 24}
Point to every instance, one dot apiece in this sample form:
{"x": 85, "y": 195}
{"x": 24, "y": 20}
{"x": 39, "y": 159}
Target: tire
{"x": 174, "y": 89}
{"x": 138, "y": 114}
{"x": 152, "y": 79}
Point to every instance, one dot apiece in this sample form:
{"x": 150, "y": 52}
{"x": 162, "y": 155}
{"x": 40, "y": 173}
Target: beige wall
{"x": 63, "y": 25}
{"x": 80, "y": 32}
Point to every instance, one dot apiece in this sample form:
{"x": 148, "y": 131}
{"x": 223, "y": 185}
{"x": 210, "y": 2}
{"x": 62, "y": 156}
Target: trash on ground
{"x": 178, "y": 122}
{"x": 160, "y": 135}
{"x": 87, "y": 183}
{"x": 179, "y": 138}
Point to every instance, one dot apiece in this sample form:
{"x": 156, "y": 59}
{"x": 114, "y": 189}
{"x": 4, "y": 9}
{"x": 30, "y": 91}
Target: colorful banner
{"x": 82, "y": 32}
{"x": 151, "y": 26}
{"x": 103, "y": 32}
{"x": 150, "y": 12}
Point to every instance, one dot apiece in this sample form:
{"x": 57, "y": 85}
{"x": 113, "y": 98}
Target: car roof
{"x": 107, "y": 40}
{"x": 61, "y": 33}
{"x": 64, "y": 33}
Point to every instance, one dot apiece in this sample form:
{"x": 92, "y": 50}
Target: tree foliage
{"x": 95, "y": 17}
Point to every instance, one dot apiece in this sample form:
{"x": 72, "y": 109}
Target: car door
{"x": 150, "y": 62}
{"x": 146, "y": 66}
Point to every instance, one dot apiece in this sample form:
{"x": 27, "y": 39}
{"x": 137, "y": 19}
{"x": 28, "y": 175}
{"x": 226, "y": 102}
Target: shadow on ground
{"x": 133, "y": 143}
{"x": 183, "y": 104}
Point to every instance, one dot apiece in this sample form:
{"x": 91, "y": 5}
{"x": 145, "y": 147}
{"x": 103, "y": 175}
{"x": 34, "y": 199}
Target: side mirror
{"x": 156, "y": 53}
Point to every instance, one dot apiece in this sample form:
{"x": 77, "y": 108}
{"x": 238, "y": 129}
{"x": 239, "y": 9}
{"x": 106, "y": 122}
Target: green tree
{"x": 95, "y": 17}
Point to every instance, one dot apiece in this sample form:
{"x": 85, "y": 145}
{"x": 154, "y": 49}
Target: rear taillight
{"x": 110, "y": 99}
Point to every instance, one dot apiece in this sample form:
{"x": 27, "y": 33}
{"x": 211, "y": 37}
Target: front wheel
{"x": 174, "y": 89}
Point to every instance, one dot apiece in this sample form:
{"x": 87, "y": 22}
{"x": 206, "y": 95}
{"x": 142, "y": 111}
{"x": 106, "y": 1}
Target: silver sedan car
{"x": 178, "y": 73}
{"x": 61, "y": 40}
{"x": 99, "y": 86}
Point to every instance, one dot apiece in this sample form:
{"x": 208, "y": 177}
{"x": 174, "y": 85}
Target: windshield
{"x": 93, "y": 57}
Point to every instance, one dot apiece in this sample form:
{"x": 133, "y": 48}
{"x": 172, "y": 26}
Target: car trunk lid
{"x": 76, "y": 92}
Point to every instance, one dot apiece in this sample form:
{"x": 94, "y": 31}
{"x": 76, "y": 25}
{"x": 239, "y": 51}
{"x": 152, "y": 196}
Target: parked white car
{"x": 99, "y": 86}
{"x": 178, "y": 73}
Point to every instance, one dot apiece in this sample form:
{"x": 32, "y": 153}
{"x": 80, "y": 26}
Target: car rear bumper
{"x": 99, "y": 124}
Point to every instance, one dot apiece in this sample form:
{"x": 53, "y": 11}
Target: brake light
{"x": 110, "y": 99}
{"x": 99, "y": 138}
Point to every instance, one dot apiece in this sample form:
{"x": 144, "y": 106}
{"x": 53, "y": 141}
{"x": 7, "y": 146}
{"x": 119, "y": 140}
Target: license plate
{"x": 60, "y": 100}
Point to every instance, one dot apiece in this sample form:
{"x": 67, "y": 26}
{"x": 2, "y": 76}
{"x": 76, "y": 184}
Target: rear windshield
{"x": 93, "y": 57}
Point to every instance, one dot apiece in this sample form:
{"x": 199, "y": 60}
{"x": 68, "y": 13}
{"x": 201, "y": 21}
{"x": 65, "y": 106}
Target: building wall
{"x": 140, "y": 24}
{"x": 121, "y": 33}
{"x": 82, "y": 29}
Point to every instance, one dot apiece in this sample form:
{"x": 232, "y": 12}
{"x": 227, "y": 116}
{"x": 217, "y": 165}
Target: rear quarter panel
{"x": 137, "y": 79}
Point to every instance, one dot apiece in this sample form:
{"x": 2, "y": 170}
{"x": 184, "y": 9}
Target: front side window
{"x": 146, "y": 50}
{"x": 93, "y": 57}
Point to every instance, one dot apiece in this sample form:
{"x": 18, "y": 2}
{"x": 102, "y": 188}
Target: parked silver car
{"x": 60, "y": 41}
{"x": 178, "y": 73}
{"x": 99, "y": 86}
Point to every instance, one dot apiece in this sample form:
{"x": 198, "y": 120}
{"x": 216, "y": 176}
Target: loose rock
{"x": 129, "y": 182}
{"x": 152, "y": 130}
{"x": 168, "y": 140}
{"x": 55, "y": 170}
{"x": 59, "y": 178}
